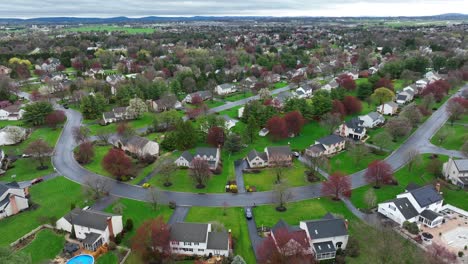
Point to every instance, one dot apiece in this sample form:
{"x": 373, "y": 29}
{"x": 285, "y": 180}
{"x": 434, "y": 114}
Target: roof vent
{"x": 316, "y": 232}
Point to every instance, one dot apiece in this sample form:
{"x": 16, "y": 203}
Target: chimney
{"x": 111, "y": 227}
{"x": 230, "y": 240}
{"x": 26, "y": 191}
{"x": 14, "y": 206}
{"x": 346, "y": 223}
{"x": 437, "y": 187}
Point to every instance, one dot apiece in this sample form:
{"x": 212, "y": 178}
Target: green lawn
{"x": 139, "y": 212}
{"x": 213, "y": 103}
{"x": 95, "y": 165}
{"x": 234, "y": 220}
{"x": 233, "y": 112}
{"x": 4, "y": 123}
{"x": 399, "y": 84}
{"x": 458, "y": 136}
{"x": 238, "y": 96}
{"x": 280, "y": 85}
{"x": 25, "y": 169}
{"x": 47, "y": 134}
{"x": 108, "y": 258}
{"x": 127, "y": 30}
{"x": 343, "y": 162}
{"x": 45, "y": 246}
{"x": 145, "y": 121}
{"x": 265, "y": 180}
{"x": 53, "y": 198}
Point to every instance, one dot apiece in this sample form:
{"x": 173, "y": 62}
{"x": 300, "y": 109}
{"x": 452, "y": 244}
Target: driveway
{"x": 255, "y": 239}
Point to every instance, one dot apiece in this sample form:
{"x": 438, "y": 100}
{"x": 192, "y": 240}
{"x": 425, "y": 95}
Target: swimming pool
{"x": 81, "y": 259}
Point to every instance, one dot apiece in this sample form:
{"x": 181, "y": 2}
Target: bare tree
{"x": 358, "y": 152}
{"x": 279, "y": 164}
{"x": 80, "y": 134}
{"x": 15, "y": 134}
{"x": 413, "y": 157}
{"x": 96, "y": 187}
{"x": 382, "y": 140}
{"x": 118, "y": 208}
{"x": 330, "y": 121}
{"x": 282, "y": 195}
{"x": 166, "y": 167}
{"x": 154, "y": 198}
{"x": 40, "y": 151}
{"x": 370, "y": 198}
{"x": 200, "y": 172}
{"x": 103, "y": 137}
{"x": 315, "y": 163}
{"x": 455, "y": 110}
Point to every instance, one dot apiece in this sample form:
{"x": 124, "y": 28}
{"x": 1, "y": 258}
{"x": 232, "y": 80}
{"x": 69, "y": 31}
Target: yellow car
{"x": 146, "y": 185}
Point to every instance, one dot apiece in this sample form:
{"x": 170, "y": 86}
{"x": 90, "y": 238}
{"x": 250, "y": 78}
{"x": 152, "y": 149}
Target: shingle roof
{"x": 279, "y": 151}
{"x": 330, "y": 140}
{"x": 88, "y": 218}
{"x": 283, "y": 225}
{"x": 4, "y": 187}
{"x": 206, "y": 151}
{"x": 402, "y": 97}
{"x": 429, "y": 215}
{"x": 109, "y": 115}
{"x": 426, "y": 195}
{"x": 324, "y": 247}
{"x": 355, "y": 124}
{"x": 5, "y": 201}
{"x": 91, "y": 238}
{"x": 462, "y": 165}
{"x": 218, "y": 240}
{"x": 189, "y": 232}
{"x": 137, "y": 141}
{"x": 187, "y": 155}
{"x": 317, "y": 148}
{"x": 412, "y": 186}
{"x": 326, "y": 227}
{"x": 375, "y": 116}
{"x": 253, "y": 154}
{"x": 405, "y": 207}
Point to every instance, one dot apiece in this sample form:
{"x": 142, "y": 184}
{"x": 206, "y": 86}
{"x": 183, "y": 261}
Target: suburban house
{"x": 432, "y": 76}
{"x": 205, "y": 95}
{"x": 353, "y": 129}
{"x": 279, "y": 155}
{"x": 139, "y": 146}
{"x": 167, "y": 102}
{"x": 388, "y": 108}
{"x": 297, "y": 239}
{"x": 11, "y": 113}
{"x": 421, "y": 84}
{"x": 373, "y": 70}
{"x": 113, "y": 80}
{"x": 117, "y": 114}
{"x": 272, "y": 78}
{"x": 353, "y": 74}
{"x": 225, "y": 88}
{"x": 321, "y": 237}
{"x": 304, "y": 91}
{"x": 199, "y": 239}
{"x": 257, "y": 159}
{"x": 250, "y": 82}
{"x": 263, "y": 132}
{"x": 229, "y": 122}
{"x": 282, "y": 97}
{"x": 331, "y": 85}
{"x": 456, "y": 171}
{"x": 13, "y": 199}
{"x": 212, "y": 155}
{"x": 328, "y": 145}
{"x": 93, "y": 228}
{"x": 405, "y": 96}
{"x": 240, "y": 112}
{"x": 372, "y": 120}
{"x": 416, "y": 205}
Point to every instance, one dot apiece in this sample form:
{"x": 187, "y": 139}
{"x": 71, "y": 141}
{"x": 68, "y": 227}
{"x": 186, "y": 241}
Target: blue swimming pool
{"x": 81, "y": 259}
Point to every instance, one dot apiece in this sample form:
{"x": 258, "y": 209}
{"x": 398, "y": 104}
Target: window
{"x": 201, "y": 250}
{"x": 392, "y": 207}
{"x": 174, "y": 243}
{"x": 187, "y": 243}
{"x": 195, "y": 244}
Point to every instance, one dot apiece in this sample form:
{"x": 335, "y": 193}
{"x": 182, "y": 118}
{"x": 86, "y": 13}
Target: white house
{"x": 331, "y": 85}
{"x": 138, "y": 146}
{"x": 432, "y": 76}
{"x": 211, "y": 155}
{"x": 225, "y": 88}
{"x": 372, "y": 120}
{"x": 204, "y": 95}
{"x": 388, "y": 108}
{"x": 416, "y": 205}
{"x": 456, "y": 171}
{"x": 328, "y": 145}
{"x": 117, "y": 114}
{"x": 405, "y": 96}
{"x": 92, "y": 228}
{"x": 229, "y": 122}
{"x": 11, "y": 113}
{"x": 257, "y": 159}
{"x": 353, "y": 129}
{"x": 13, "y": 199}
{"x": 199, "y": 239}
{"x": 304, "y": 91}
{"x": 421, "y": 84}
{"x": 113, "y": 80}
{"x": 240, "y": 112}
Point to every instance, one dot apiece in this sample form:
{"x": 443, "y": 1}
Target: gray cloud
{"x": 138, "y": 8}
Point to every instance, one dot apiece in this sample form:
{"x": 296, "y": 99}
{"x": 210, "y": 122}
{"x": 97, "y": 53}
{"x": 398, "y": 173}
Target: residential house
{"x": 50, "y": 65}
{"x": 11, "y": 113}
{"x": 113, "y": 80}
{"x": 281, "y": 98}
{"x": 353, "y": 129}
{"x": 416, "y": 205}
{"x": 199, "y": 239}
{"x": 229, "y": 122}
{"x": 272, "y": 78}
{"x": 456, "y": 171}
{"x": 279, "y": 155}
{"x": 421, "y": 84}
{"x": 353, "y": 74}
{"x": 327, "y": 146}
{"x": 263, "y": 132}
{"x": 373, "y": 70}
{"x": 240, "y": 112}
{"x": 13, "y": 199}
{"x": 432, "y": 76}
{"x": 372, "y": 120}
{"x": 117, "y": 114}
{"x": 405, "y": 96}
{"x": 304, "y": 91}
{"x": 388, "y": 108}
{"x": 4, "y": 70}
{"x": 139, "y": 146}
{"x": 297, "y": 239}
{"x": 250, "y": 82}
{"x": 225, "y": 88}
{"x": 257, "y": 159}
{"x": 167, "y": 102}
{"x": 92, "y": 228}
{"x": 331, "y": 85}
{"x": 205, "y": 95}
{"x": 211, "y": 155}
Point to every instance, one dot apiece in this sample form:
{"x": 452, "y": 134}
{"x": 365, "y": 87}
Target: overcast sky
{"x": 139, "y": 8}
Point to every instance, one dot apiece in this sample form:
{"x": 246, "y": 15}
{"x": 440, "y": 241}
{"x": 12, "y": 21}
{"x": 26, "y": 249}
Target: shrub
{"x": 118, "y": 239}
{"x": 129, "y": 225}
{"x": 460, "y": 254}
{"x": 172, "y": 205}
{"x": 411, "y": 227}
{"x": 112, "y": 245}
{"x": 352, "y": 249}
{"x": 233, "y": 188}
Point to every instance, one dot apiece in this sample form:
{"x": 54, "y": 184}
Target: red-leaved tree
{"x": 438, "y": 88}
{"x": 346, "y": 81}
{"x": 215, "y": 136}
{"x": 151, "y": 241}
{"x": 352, "y": 105}
{"x": 337, "y": 185}
{"x": 55, "y": 118}
{"x": 294, "y": 122}
{"x": 379, "y": 172}
{"x": 117, "y": 163}
{"x": 384, "y": 82}
{"x": 85, "y": 152}
{"x": 277, "y": 127}
{"x": 339, "y": 108}
{"x": 197, "y": 99}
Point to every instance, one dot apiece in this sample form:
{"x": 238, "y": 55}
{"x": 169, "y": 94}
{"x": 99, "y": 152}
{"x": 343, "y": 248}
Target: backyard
{"x": 46, "y": 246}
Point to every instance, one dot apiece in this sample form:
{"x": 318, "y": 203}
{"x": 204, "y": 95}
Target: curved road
{"x": 66, "y": 165}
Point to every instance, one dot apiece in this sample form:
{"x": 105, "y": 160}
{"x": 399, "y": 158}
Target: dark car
{"x": 65, "y": 106}
{"x": 36, "y": 181}
{"x": 248, "y": 213}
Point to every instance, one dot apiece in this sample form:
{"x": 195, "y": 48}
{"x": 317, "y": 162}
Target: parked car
{"x": 37, "y": 180}
{"x": 65, "y": 106}
{"x": 248, "y": 213}
{"x": 25, "y": 156}
{"x": 296, "y": 154}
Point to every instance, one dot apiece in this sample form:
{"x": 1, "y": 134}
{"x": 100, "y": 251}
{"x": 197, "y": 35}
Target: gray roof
{"x": 429, "y": 215}
{"x": 279, "y": 151}
{"x": 203, "y": 94}
{"x": 462, "y": 165}
{"x": 218, "y": 240}
{"x": 283, "y": 225}
{"x": 355, "y": 124}
{"x": 330, "y": 140}
{"x": 109, "y": 115}
{"x": 137, "y": 141}
{"x": 324, "y": 247}
{"x": 405, "y": 207}
{"x": 88, "y": 218}
{"x": 426, "y": 195}
{"x": 5, "y": 201}
{"x": 91, "y": 238}
{"x": 189, "y": 232}
{"x": 412, "y": 186}
{"x": 206, "y": 151}
{"x": 402, "y": 97}
{"x": 187, "y": 155}
{"x": 326, "y": 227}
{"x": 4, "y": 187}
{"x": 283, "y": 96}
{"x": 317, "y": 148}
{"x": 375, "y": 116}
{"x": 253, "y": 154}
{"x": 392, "y": 104}
{"x": 121, "y": 109}
{"x": 226, "y": 86}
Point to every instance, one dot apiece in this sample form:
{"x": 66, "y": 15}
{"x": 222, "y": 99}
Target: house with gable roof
{"x": 327, "y": 146}
{"x": 211, "y": 155}
{"x": 372, "y": 120}
{"x": 353, "y": 129}
{"x": 13, "y": 199}
{"x": 456, "y": 171}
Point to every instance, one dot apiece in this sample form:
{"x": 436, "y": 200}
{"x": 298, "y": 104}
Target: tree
{"x": 117, "y": 163}
{"x": 36, "y": 113}
{"x": 455, "y": 109}
{"x": 364, "y": 90}
{"x": 92, "y": 107}
{"x": 378, "y": 172}
{"x": 337, "y": 185}
{"x": 264, "y": 94}
{"x": 352, "y": 105}
{"x": 439, "y": 89}
{"x": 281, "y": 195}
{"x": 8, "y": 256}
{"x": 384, "y": 82}
{"x": 440, "y": 254}
{"x": 166, "y": 168}
{"x": 413, "y": 158}
{"x": 382, "y": 140}
{"x": 382, "y": 95}
{"x": 413, "y": 114}
{"x": 251, "y": 130}
{"x": 40, "y": 151}
{"x": 358, "y": 152}
{"x": 233, "y": 143}
{"x": 321, "y": 103}
{"x": 443, "y": 134}
{"x": 215, "y": 137}
{"x": 15, "y": 134}
{"x": 96, "y": 187}
{"x": 85, "y": 153}
{"x": 277, "y": 127}
{"x": 428, "y": 102}
{"x": 118, "y": 208}
{"x": 80, "y": 134}
{"x": 435, "y": 167}
{"x": 330, "y": 122}
{"x": 338, "y": 108}
{"x": 125, "y": 131}
{"x": 154, "y": 197}
{"x": 346, "y": 81}
{"x": 55, "y": 118}
{"x": 294, "y": 122}
{"x": 464, "y": 149}
{"x": 185, "y": 135}
{"x": 370, "y": 198}
{"x": 151, "y": 241}
{"x": 137, "y": 107}
{"x": 200, "y": 172}
{"x": 398, "y": 127}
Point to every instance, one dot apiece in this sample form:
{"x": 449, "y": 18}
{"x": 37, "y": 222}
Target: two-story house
{"x": 117, "y": 114}
{"x": 211, "y": 155}
{"x": 13, "y": 199}
{"x": 405, "y": 96}
{"x": 456, "y": 171}
{"x": 353, "y": 129}
{"x": 257, "y": 159}
{"x": 11, "y": 113}
{"x": 225, "y": 88}
{"x": 199, "y": 239}
{"x": 388, "y": 108}
{"x": 204, "y": 95}
{"x": 372, "y": 119}
{"x": 327, "y": 146}
{"x": 416, "y": 205}
{"x": 138, "y": 146}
